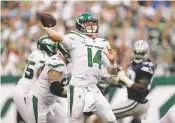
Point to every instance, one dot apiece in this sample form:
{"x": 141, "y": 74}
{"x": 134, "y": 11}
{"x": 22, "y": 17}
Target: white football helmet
{"x": 140, "y": 51}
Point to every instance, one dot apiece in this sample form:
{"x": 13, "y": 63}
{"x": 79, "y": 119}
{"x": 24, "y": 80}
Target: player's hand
{"x": 111, "y": 55}
{"x": 47, "y": 28}
{"x": 112, "y": 80}
{"x": 121, "y": 74}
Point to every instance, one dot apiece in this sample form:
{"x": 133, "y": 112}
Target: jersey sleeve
{"x": 147, "y": 71}
{"x": 68, "y": 41}
{"x": 55, "y": 63}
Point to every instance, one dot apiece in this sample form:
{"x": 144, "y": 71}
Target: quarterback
{"x": 88, "y": 54}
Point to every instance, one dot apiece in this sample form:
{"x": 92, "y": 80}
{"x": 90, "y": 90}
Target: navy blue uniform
{"x": 137, "y": 72}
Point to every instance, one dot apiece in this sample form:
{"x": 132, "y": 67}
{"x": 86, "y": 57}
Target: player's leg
{"x": 57, "y": 114}
{"x": 20, "y": 102}
{"x": 31, "y": 115}
{"x": 63, "y": 102}
{"x": 37, "y": 110}
{"x": 75, "y": 104}
{"x": 104, "y": 110}
{"x": 124, "y": 109}
{"x": 139, "y": 112}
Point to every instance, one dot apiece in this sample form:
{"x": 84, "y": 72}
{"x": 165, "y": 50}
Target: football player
{"x": 140, "y": 71}
{"x": 42, "y": 102}
{"x": 88, "y": 53}
{"x": 45, "y": 49}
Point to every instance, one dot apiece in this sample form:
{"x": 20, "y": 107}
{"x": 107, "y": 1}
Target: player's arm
{"x": 54, "y": 79}
{"x": 58, "y": 37}
{"x": 142, "y": 85}
{"x": 109, "y": 60}
{"x": 55, "y": 36}
{"x": 39, "y": 70}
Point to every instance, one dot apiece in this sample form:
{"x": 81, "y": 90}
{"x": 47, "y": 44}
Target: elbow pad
{"x": 56, "y": 88}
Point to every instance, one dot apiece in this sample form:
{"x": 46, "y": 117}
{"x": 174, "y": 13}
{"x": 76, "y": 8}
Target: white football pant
{"x": 88, "y": 99}
{"x": 40, "y": 112}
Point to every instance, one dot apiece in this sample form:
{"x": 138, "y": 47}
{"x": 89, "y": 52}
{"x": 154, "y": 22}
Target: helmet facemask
{"x": 139, "y": 57}
{"x": 140, "y": 51}
{"x": 90, "y": 29}
{"x": 87, "y": 24}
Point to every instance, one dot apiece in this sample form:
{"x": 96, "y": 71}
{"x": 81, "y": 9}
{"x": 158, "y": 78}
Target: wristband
{"x": 127, "y": 81}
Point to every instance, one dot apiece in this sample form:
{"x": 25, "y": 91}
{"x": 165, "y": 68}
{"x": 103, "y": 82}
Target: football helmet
{"x": 47, "y": 45}
{"x": 140, "y": 51}
{"x": 87, "y": 17}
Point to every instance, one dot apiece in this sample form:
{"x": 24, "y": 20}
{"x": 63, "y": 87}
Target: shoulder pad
{"x": 55, "y": 62}
{"x": 148, "y": 67}
{"x": 37, "y": 55}
{"x": 75, "y": 33}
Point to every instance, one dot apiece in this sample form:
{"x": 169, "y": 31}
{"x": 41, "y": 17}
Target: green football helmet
{"x": 86, "y": 17}
{"x": 47, "y": 45}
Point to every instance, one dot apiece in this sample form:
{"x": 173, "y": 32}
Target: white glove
{"x": 113, "y": 79}
{"x": 122, "y": 76}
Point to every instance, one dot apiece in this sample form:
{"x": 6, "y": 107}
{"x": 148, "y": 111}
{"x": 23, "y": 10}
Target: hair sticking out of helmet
{"x": 140, "y": 51}
{"x": 87, "y": 23}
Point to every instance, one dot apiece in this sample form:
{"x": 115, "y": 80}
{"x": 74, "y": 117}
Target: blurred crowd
{"x": 120, "y": 22}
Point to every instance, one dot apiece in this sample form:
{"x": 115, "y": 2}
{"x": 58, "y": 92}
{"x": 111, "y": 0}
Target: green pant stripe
{"x": 35, "y": 108}
{"x": 71, "y": 98}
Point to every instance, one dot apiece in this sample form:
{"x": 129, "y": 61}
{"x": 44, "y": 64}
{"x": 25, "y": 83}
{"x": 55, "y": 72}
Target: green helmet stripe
{"x": 55, "y": 66}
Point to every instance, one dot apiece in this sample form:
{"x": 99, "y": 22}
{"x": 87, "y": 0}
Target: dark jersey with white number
{"x": 137, "y": 72}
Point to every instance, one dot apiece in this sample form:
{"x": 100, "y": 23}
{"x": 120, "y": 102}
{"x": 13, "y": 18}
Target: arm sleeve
{"x": 67, "y": 42}
{"x": 146, "y": 76}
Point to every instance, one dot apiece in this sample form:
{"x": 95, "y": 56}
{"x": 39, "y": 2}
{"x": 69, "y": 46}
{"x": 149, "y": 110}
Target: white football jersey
{"x": 87, "y": 57}
{"x": 41, "y": 87}
{"x": 35, "y": 60}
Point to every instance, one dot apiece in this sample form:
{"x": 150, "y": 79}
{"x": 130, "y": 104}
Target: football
{"x": 47, "y": 19}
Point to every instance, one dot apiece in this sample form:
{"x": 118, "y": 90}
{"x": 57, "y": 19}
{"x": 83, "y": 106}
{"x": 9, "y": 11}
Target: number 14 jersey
{"x": 87, "y": 57}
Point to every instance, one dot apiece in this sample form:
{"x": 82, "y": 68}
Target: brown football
{"x": 47, "y": 19}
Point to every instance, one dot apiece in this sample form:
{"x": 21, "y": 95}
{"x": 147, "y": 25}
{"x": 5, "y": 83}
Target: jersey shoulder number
{"x": 148, "y": 67}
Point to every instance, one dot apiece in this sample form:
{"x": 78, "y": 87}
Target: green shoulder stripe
{"x": 76, "y": 33}
{"x": 55, "y": 66}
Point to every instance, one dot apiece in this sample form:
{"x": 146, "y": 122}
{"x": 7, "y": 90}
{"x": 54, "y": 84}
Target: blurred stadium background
{"x": 120, "y": 22}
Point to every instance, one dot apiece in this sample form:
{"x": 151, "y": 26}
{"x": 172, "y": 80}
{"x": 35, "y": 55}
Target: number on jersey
{"x": 29, "y": 73}
{"x": 96, "y": 59}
